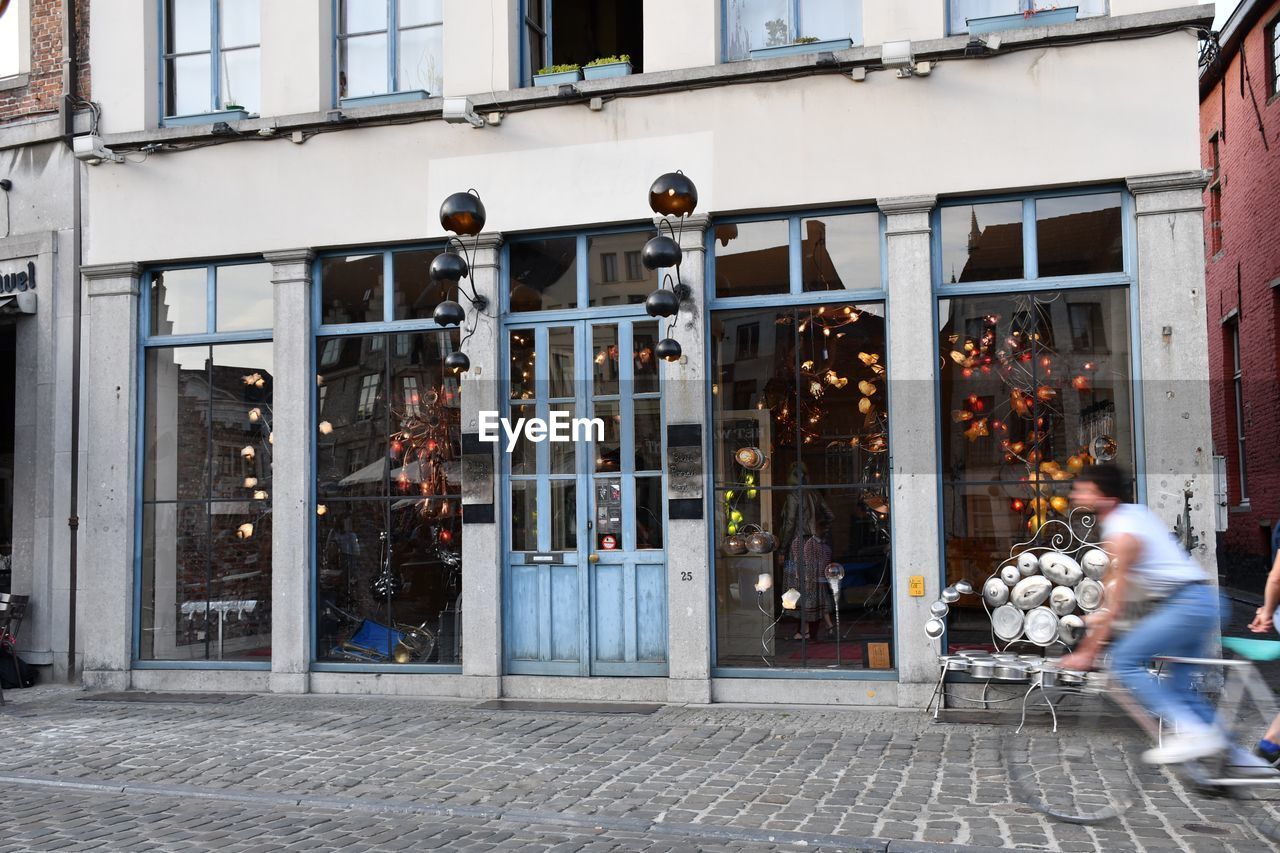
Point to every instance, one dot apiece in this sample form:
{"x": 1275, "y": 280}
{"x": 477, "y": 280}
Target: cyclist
{"x": 1264, "y": 621}
{"x": 1181, "y": 618}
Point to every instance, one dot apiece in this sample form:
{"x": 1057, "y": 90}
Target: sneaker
{"x": 1184, "y": 747}
{"x": 1272, "y": 758}
{"x": 1245, "y": 763}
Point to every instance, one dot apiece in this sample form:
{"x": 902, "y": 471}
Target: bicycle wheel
{"x": 1083, "y": 772}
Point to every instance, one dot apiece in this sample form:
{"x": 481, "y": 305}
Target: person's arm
{"x": 1263, "y": 619}
{"x": 1127, "y": 549}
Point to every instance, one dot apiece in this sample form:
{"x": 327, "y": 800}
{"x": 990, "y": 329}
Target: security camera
{"x": 90, "y": 149}
{"x": 459, "y": 110}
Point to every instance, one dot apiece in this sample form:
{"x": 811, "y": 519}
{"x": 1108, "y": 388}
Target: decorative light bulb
{"x": 244, "y": 531}
{"x": 259, "y": 495}
{"x": 255, "y": 414}
{"x": 250, "y": 482}
{"x": 247, "y": 451}
{"x": 325, "y": 427}
{"x": 321, "y": 509}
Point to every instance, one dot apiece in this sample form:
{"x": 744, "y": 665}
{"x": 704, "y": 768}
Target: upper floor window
{"x": 574, "y": 32}
{"x": 1273, "y": 40}
{"x": 960, "y": 12}
{"x": 14, "y": 29}
{"x": 753, "y": 24}
{"x": 212, "y": 58}
{"x": 387, "y": 46}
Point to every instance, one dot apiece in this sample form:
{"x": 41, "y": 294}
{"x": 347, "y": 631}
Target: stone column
{"x": 291, "y": 472}
{"x": 105, "y": 602}
{"x": 482, "y": 521}
{"x": 913, "y": 445}
{"x": 689, "y": 564}
{"x": 1173, "y": 338}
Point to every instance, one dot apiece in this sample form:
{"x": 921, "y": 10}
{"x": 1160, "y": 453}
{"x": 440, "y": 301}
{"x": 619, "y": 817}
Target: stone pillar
{"x": 1172, "y": 335}
{"x": 481, "y": 518}
{"x": 913, "y": 445}
{"x": 689, "y": 564}
{"x": 291, "y": 471}
{"x": 105, "y": 601}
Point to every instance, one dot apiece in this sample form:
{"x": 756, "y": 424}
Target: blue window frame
{"x": 1039, "y": 361}
{"x": 211, "y": 59}
{"x": 752, "y": 24}
{"x": 388, "y": 50}
{"x": 386, "y": 492}
{"x": 798, "y": 300}
{"x": 960, "y": 11}
{"x": 203, "y": 523}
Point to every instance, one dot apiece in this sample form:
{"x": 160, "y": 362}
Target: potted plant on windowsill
{"x": 1042, "y": 16}
{"x": 804, "y": 44}
{"x": 607, "y": 66}
{"x": 555, "y": 75}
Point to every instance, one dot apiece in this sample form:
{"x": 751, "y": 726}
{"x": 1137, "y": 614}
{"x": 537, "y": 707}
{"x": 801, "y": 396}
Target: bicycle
{"x": 1098, "y": 777}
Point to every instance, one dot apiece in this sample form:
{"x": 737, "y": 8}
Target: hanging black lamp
{"x": 660, "y": 252}
{"x": 463, "y": 213}
{"x": 448, "y": 266}
{"x": 662, "y": 303}
{"x": 457, "y": 362}
{"x": 673, "y": 194}
{"x": 667, "y": 349}
{"x": 449, "y": 313}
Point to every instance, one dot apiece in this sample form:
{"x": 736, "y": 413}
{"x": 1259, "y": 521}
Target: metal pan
{"x": 982, "y": 668}
{"x": 1010, "y": 671}
{"x": 954, "y": 663}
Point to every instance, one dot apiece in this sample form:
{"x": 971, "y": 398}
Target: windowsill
{"x": 1240, "y": 509}
{"x": 206, "y": 118}
{"x": 388, "y": 98}
{"x": 798, "y": 49}
{"x": 15, "y": 81}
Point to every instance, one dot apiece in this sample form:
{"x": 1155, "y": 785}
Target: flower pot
{"x": 559, "y": 78}
{"x": 608, "y": 69}
{"x": 795, "y": 49}
{"x": 1062, "y": 15}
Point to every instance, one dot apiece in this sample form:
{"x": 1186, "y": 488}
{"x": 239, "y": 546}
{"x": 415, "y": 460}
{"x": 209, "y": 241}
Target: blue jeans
{"x": 1182, "y": 626}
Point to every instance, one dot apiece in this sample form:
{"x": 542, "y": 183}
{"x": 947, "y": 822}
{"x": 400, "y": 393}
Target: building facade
{"x": 930, "y": 274}
{"x": 1239, "y": 136}
{"x": 43, "y": 89}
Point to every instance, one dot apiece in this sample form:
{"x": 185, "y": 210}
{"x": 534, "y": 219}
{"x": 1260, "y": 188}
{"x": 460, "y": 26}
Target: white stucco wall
{"x": 681, "y": 34}
{"x": 893, "y": 20}
{"x": 1032, "y": 118}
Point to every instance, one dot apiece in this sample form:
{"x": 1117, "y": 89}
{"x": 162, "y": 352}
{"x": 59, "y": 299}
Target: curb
{"x": 706, "y": 832}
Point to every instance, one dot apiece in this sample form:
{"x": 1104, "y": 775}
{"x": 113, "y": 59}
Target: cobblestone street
{"x": 375, "y": 773}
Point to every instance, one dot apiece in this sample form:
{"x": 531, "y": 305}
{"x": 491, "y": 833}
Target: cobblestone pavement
{"x": 383, "y": 773}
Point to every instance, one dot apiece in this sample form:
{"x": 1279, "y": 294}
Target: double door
{"x": 585, "y": 568}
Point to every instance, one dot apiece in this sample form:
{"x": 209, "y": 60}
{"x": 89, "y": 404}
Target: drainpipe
{"x": 69, "y": 99}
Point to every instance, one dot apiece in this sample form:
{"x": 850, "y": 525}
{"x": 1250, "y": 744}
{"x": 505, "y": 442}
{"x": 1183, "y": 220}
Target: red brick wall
{"x": 44, "y": 87}
{"x": 1240, "y": 277}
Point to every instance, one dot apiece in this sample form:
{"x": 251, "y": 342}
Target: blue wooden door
{"x": 585, "y": 574}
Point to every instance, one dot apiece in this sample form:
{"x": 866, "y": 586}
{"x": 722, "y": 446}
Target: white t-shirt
{"x": 1162, "y": 566}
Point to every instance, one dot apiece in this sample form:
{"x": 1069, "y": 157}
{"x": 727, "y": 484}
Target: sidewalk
{"x": 268, "y": 772}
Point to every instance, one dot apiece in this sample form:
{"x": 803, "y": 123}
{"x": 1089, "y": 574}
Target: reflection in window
{"x": 202, "y": 75}
{"x": 368, "y": 62}
{"x": 206, "y": 539}
{"x": 544, "y": 274}
{"x": 982, "y": 242}
{"x": 244, "y": 297}
{"x": 752, "y": 24}
{"x": 1034, "y": 386}
{"x": 388, "y": 527}
{"x": 800, "y": 441}
{"x": 180, "y": 302}
{"x": 752, "y": 258}
{"x": 841, "y": 252}
{"x": 1079, "y": 235}
{"x": 607, "y": 289}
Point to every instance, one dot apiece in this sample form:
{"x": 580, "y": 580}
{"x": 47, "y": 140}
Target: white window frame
{"x": 1237, "y": 386}
{"x": 21, "y": 10}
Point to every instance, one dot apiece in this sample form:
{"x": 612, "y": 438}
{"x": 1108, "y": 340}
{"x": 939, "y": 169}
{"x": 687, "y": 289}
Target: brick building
{"x": 1240, "y": 146}
{"x": 31, "y": 77}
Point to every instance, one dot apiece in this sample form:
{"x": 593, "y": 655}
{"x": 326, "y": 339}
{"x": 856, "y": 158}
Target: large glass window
{"x": 960, "y": 11}
{"x": 212, "y": 58}
{"x": 206, "y": 490}
{"x": 390, "y": 46}
{"x": 574, "y": 32}
{"x": 751, "y": 24}
{"x": 800, "y": 434}
{"x": 388, "y": 486}
{"x": 547, "y": 274}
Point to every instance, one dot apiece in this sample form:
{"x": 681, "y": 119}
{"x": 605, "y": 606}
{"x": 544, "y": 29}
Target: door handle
{"x": 593, "y": 557}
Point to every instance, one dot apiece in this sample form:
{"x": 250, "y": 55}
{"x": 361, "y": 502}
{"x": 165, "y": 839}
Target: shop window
{"x": 351, "y": 287}
{"x": 544, "y": 274}
{"x": 753, "y": 258}
{"x": 388, "y": 527}
{"x": 574, "y": 32}
{"x": 1079, "y": 235}
{"x": 800, "y": 451}
{"x": 840, "y": 252}
{"x": 982, "y": 242}
{"x": 212, "y": 56}
{"x": 752, "y": 24}
{"x": 1033, "y": 387}
{"x": 390, "y": 46}
{"x": 959, "y": 11}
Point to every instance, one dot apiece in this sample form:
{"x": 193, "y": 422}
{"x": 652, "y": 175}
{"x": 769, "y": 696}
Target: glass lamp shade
{"x": 660, "y": 252}
{"x": 449, "y": 313}
{"x": 662, "y": 303}
{"x": 764, "y": 583}
{"x": 834, "y": 572}
{"x": 463, "y": 213}
{"x": 448, "y": 266}
{"x": 790, "y": 599}
{"x": 457, "y": 362}
{"x": 667, "y": 349}
{"x": 673, "y": 194}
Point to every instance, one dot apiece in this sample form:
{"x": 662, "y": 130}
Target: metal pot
{"x": 1010, "y": 671}
{"x": 954, "y": 663}
{"x": 982, "y": 668}
{"x": 735, "y": 545}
